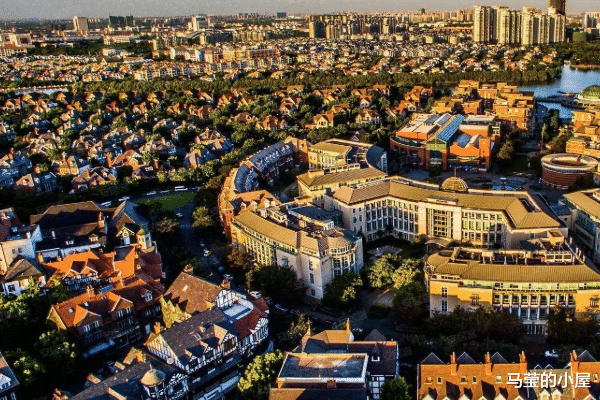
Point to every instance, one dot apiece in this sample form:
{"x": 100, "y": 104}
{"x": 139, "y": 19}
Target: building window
{"x": 475, "y": 300}
{"x": 444, "y": 306}
{"x": 439, "y": 380}
{"x": 311, "y": 277}
{"x": 463, "y": 379}
{"x": 474, "y": 379}
{"x": 444, "y": 292}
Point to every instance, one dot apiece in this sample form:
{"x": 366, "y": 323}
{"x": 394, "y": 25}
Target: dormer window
{"x": 440, "y": 380}
{"x": 148, "y": 296}
{"x": 463, "y": 380}
{"x": 375, "y": 358}
{"x": 498, "y": 378}
{"x": 69, "y": 242}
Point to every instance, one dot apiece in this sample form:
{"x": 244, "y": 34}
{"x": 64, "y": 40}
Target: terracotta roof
{"x": 192, "y": 294}
{"x": 96, "y": 306}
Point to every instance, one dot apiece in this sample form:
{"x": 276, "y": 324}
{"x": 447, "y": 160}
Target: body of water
{"x": 571, "y": 81}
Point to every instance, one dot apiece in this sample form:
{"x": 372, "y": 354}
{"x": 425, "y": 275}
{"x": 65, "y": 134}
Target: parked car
{"x": 255, "y": 294}
{"x": 554, "y": 353}
{"x": 164, "y": 191}
{"x": 179, "y": 215}
{"x": 228, "y": 277}
{"x": 152, "y": 193}
{"x": 124, "y": 198}
{"x": 106, "y": 204}
{"x": 281, "y": 308}
{"x": 207, "y": 253}
{"x": 269, "y": 301}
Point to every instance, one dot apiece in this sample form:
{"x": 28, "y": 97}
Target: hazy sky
{"x": 14, "y": 9}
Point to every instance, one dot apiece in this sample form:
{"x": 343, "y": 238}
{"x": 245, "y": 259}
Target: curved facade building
{"x": 562, "y": 170}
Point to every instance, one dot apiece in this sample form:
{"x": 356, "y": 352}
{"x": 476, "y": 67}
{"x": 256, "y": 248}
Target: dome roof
{"x": 591, "y": 93}
{"x": 454, "y": 184}
{"x": 153, "y": 377}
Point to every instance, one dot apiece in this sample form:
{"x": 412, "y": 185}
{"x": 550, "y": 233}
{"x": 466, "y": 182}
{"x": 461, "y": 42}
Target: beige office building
{"x": 448, "y": 213}
{"x": 315, "y": 249}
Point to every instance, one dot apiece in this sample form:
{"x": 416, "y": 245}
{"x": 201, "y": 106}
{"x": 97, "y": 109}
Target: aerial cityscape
{"x": 297, "y": 201}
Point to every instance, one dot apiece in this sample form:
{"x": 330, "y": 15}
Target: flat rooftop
{"x": 307, "y": 366}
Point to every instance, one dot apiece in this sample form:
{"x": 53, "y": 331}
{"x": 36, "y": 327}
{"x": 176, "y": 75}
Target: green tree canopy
{"x": 341, "y": 292}
{"x": 259, "y": 376}
{"x": 397, "y": 389}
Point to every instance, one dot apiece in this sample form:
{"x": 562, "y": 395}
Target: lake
{"x": 571, "y": 81}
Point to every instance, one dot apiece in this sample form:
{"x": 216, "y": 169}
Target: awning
{"x": 442, "y": 242}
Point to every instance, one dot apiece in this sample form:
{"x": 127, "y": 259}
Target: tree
{"x": 259, "y": 375}
{"x": 396, "y": 389}
{"x": 341, "y": 292}
{"x": 506, "y": 151}
{"x": 239, "y": 262}
{"x": 29, "y": 371}
{"x": 56, "y": 347}
{"x": 380, "y": 273}
{"x": 279, "y": 283}
{"x": 202, "y": 220}
{"x": 299, "y": 327}
{"x": 406, "y": 273}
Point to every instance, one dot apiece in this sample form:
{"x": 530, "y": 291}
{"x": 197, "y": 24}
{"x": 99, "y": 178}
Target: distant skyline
{"x": 59, "y": 9}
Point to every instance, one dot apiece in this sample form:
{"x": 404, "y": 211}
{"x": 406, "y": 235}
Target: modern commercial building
{"x": 313, "y": 185}
{"x": 559, "y": 5}
{"x": 80, "y": 24}
{"x": 334, "y": 153}
{"x": 313, "y": 247}
{"x": 529, "y": 283}
{"x": 563, "y": 170}
{"x": 584, "y": 220}
{"x": 448, "y": 213}
{"x": 448, "y": 141}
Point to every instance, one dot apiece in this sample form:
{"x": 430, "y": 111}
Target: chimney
{"x": 488, "y": 364}
{"x": 574, "y": 363}
{"x": 523, "y": 363}
{"x": 90, "y": 291}
{"x": 225, "y": 284}
{"x": 11, "y": 154}
{"x": 58, "y": 258}
{"x": 40, "y": 257}
{"x": 331, "y": 383}
{"x": 140, "y": 357}
{"x": 453, "y": 365}
{"x": 108, "y": 160}
{"x": 157, "y": 328}
{"x": 101, "y": 220}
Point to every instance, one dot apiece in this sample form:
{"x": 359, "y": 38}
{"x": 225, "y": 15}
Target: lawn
{"x": 170, "y": 201}
{"x": 518, "y": 163}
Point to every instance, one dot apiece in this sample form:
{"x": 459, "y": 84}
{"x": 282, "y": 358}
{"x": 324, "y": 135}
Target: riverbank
{"x": 584, "y": 67}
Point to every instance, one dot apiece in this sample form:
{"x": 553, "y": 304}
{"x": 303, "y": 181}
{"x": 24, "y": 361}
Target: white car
{"x": 165, "y": 191}
{"x": 107, "y": 204}
{"x": 152, "y": 193}
{"x": 206, "y": 253}
{"x": 255, "y": 294}
{"x": 124, "y": 198}
{"x": 179, "y": 215}
{"x": 554, "y": 353}
{"x": 281, "y": 308}
{"x": 228, "y": 277}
